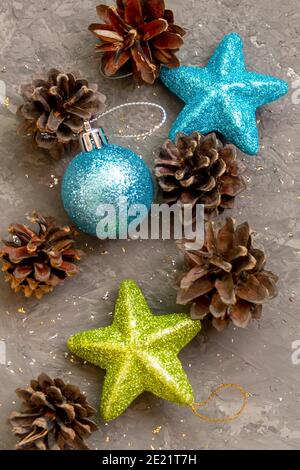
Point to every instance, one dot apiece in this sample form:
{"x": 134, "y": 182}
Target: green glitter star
{"x": 139, "y": 351}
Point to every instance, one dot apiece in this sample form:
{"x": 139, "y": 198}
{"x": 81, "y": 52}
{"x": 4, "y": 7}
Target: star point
{"x": 139, "y": 351}
{"x": 223, "y": 96}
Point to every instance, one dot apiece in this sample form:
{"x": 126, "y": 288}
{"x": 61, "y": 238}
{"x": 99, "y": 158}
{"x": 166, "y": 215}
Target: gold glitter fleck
{"x": 156, "y": 430}
{"x": 21, "y": 310}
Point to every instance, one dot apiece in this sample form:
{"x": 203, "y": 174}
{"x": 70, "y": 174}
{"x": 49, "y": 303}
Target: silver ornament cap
{"x": 92, "y": 139}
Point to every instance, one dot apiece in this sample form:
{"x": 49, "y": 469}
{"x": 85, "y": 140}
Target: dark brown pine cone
{"x": 55, "y": 108}
{"x": 138, "y": 33}
{"x": 226, "y": 279}
{"x": 54, "y": 416}
{"x": 35, "y": 262}
{"x": 198, "y": 169}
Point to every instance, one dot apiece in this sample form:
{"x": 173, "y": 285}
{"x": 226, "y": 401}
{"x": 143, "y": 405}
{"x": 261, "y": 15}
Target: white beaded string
{"x": 136, "y": 103}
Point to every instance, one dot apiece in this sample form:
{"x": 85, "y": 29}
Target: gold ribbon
{"x": 226, "y": 419}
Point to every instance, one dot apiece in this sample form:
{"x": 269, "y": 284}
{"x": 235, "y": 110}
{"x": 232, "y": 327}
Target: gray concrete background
{"x": 36, "y": 34}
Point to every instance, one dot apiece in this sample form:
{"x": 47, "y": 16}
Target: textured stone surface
{"x": 36, "y": 34}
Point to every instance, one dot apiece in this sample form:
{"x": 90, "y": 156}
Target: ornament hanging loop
{"x": 114, "y": 77}
{"x": 226, "y": 419}
{"x": 137, "y": 103}
{"x": 91, "y": 138}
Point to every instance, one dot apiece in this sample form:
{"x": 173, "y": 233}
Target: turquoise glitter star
{"x": 223, "y": 96}
{"x": 139, "y": 351}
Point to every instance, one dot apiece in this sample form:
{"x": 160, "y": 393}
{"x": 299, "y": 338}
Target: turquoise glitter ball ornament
{"x": 101, "y": 178}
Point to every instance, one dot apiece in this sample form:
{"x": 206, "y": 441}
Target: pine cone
{"x": 140, "y": 33}
{"x": 36, "y": 262}
{"x": 55, "y": 109}
{"x": 199, "y": 169}
{"x": 226, "y": 278}
{"x": 54, "y": 416}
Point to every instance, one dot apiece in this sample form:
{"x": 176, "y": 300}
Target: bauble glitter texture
{"x": 223, "y": 96}
{"x": 104, "y": 177}
{"x": 139, "y": 352}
